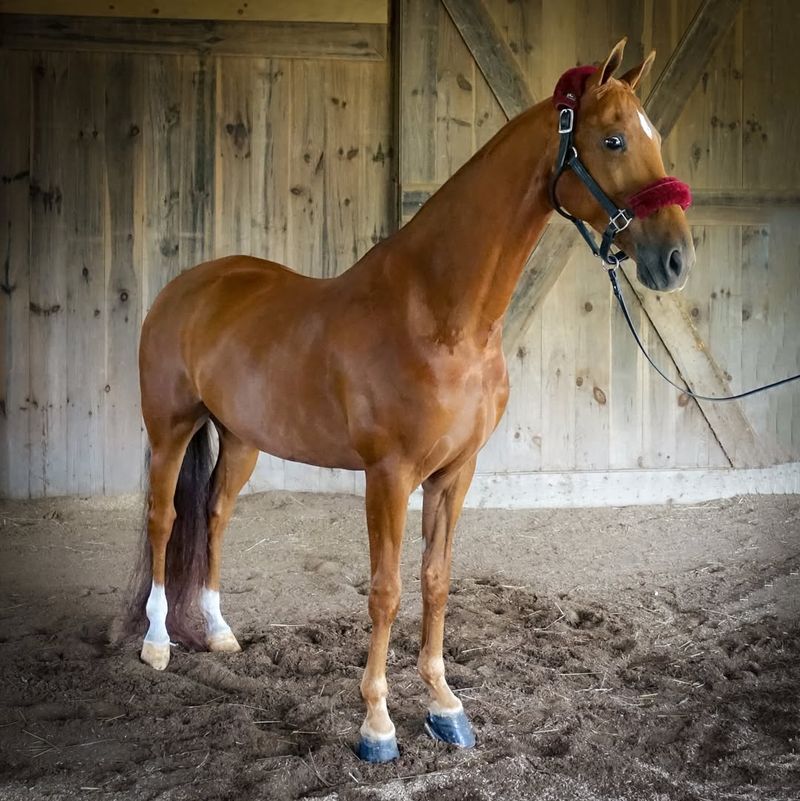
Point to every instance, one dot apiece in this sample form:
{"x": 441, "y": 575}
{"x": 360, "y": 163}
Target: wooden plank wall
{"x": 122, "y": 170}
{"x": 581, "y": 397}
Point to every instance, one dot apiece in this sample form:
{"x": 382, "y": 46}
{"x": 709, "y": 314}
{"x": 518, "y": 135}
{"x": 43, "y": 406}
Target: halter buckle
{"x": 621, "y": 220}
{"x": 566, "y": 120}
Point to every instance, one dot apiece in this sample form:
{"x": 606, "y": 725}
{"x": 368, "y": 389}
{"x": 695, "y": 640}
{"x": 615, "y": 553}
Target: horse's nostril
{"x": 675, "y": 263}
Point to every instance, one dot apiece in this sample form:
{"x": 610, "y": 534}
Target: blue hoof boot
{"x": 454, "y": 729}
{"x": 377, "y": 750}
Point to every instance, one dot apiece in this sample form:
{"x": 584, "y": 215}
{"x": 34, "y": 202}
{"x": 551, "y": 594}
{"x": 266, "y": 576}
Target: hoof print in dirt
{"x": 582, "y": 618}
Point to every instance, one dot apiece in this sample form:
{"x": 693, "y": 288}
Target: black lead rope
{"x": 618, "y": 220}
{"x": 612, "y": 275}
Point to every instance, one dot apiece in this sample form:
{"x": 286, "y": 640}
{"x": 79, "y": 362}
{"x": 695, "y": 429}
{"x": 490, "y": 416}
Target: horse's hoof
{"x": 224, "y": 642}
{"x": 454, "y": 729}
{"x": 155, "y": 655}
{"x": 384, "y": 750}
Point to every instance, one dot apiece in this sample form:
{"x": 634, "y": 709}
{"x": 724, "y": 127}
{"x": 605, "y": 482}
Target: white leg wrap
{"x": 157, "y": 615}
{"x": 216, "y": 626}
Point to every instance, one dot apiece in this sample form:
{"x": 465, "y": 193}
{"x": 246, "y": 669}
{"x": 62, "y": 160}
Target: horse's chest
{"x": 471, "y": 395}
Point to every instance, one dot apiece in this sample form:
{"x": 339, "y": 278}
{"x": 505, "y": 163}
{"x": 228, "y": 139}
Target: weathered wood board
{"x": 342, "y": 40}
{"x": 15, "y": 408}
{"x": 135, "y": 166}
{"x": 124, "y": 169}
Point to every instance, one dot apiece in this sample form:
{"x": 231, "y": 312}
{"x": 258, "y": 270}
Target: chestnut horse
{"x": 395, "y": 368}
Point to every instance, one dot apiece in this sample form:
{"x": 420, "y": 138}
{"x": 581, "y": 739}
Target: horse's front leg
{"x": 442, "y": 502}
{"x": 387, "y": 491}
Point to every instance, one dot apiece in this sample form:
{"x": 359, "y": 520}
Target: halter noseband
{"x": 662, "y": 192}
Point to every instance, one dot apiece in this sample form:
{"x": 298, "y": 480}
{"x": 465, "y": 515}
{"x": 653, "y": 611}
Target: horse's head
{"x": 622, "y": 150}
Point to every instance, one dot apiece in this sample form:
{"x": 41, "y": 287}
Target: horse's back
{"x": 232, "y": 277}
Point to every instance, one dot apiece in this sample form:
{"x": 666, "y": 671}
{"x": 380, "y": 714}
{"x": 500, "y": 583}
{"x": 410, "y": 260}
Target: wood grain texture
{"x": 370, "y": 11}
{"x": 345, "y": 104}
{"x": 734, "y": 431}
{"x": 455, "y": 79}
{"x": 162, "y": 187}
{"x": 783, "y": 298}
{"x": 771, "y": 124}
{"x": 263, "y": 39}
{"x": 15, "y": 93}
{"x": 162, "y": 155}
{"x": 376, "y": 203}
{"x": 236, "y": 180}
{"x": 492, "y": 55}
{"x": 52, "y": 137}
{"x": 84, "y": 270}
{"x": 123, "y": 301}
{"x": 269, "y": 165}
{"x": 197, "y": 147}
{"x": 699, "y": 42}
{"x": 308, "y": 163}
{"x": 417, "y": 90}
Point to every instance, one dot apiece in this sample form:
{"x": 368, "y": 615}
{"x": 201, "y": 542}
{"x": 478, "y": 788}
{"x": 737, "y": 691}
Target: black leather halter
{"x": 568, "y": 159}
{"x": 618, "y": 220}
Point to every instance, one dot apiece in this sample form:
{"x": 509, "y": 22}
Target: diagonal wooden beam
{"x": 728, "y": 421}
{"x": 670, "y": 93}
{"x": 700, "y": 40}
{"x": 492, "y": 55}
{"x": 664, "y": 104}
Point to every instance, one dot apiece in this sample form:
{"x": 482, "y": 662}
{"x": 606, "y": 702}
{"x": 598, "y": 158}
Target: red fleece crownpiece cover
{"x": 667, "y": 191}
{"x": 571, "y": 85}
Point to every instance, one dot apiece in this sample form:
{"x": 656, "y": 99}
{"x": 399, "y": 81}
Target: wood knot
{"x": 599, "y": 396}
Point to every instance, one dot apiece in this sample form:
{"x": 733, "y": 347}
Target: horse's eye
{"x": 615, "y": 142}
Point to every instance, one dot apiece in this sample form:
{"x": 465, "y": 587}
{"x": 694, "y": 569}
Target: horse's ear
{"x": 635, "y": 75}
{"x": 612, "y": 62}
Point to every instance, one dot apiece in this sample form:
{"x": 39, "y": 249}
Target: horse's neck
{"x": 469, "y": 243}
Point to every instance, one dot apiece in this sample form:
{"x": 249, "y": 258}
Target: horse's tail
{"x": 187, "y": 551}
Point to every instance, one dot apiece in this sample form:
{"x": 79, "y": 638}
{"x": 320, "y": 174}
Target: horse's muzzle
{"x": 664, "y": 268}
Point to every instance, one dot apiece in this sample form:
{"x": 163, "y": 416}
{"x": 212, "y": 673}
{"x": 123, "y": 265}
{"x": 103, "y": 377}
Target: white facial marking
{"x": 157, "y": 615}
{"x": 645, "y": 123}
{"x": 215, "y": 623}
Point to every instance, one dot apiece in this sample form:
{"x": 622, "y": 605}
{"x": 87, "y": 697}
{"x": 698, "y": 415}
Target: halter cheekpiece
{"x": 666, "y": 191}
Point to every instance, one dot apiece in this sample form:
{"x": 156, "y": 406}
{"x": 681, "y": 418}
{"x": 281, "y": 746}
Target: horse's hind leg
{"x": 234, "y": 466}
{"x": 166, "y": 458}
{"x": 442, "y": 501}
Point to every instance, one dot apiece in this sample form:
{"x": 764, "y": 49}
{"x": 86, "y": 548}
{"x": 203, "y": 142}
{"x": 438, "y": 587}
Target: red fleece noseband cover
{"x": 667, "y": 191}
